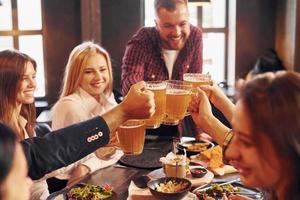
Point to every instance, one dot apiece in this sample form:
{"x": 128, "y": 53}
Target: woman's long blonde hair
{"x": 75, "y": 66}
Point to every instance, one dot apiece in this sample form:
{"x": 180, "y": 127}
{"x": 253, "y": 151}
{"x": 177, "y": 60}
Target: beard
{"x": 174, "y": 43}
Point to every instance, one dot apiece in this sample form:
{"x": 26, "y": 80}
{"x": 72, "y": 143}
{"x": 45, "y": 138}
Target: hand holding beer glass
{"x": 159, "y": 90}
{"x": 131, "y": 136}
{"x": 197, "y": 79}
{"x": 178, "y": 95}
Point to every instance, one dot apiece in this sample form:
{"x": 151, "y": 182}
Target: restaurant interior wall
{"x": 120, "y": 20}
{"x": 255, "y": 32}
{"x": 288, "y": 33}
{"x": 62, "y": 34}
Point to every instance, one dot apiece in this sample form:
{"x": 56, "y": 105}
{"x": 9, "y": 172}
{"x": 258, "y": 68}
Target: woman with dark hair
{"x": 269, "y": 61}
{"x": 264, "y": 144}
{"x": 17, "y": 86}
{"x": 14, "y": 181}
{"x": 17, "y": 92}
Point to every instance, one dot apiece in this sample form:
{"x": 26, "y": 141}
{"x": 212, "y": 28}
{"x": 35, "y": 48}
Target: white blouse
{"x": 78, "y": 107}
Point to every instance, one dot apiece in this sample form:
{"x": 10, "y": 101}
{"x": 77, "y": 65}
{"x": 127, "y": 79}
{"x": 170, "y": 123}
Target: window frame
{"x": 224, "y": 30}
{"x": 15, "y": 33}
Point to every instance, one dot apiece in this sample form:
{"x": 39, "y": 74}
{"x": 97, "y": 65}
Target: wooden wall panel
{"x": 285, "y": 31}
{"x": 120, "y": 20}
{"x": 297, "y": 41}
{"x": 62, "y": 34}
{"x": 255, "y": 32}
{"x": 91, "y": 20}
{"x": 288, "y": 33}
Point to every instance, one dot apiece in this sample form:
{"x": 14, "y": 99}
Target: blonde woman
{"x": 86, "y": 92}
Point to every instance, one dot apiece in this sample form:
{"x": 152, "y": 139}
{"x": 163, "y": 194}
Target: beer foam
{"x": 161, "y": 87}
{"x": 131, "y": 126}
{"x": 177, "y": 92}
{"x": 196, "y": 79}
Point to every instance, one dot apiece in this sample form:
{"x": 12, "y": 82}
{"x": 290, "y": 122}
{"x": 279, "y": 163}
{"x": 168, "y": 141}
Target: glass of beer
{"x": 178, "y": 96}
{"x": 159, "y": 90}
{"x": 197, "y": 79}
{"x": 131, "y": 136}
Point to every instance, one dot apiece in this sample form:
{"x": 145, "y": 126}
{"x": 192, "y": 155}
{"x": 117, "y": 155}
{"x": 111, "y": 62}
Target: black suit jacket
{"x": 64, "y": 146}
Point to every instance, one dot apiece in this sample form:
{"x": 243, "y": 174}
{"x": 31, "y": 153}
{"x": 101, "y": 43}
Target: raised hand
{"x": 139, "y": 102}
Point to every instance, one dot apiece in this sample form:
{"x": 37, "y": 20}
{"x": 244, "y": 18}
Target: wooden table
{"x": 119, "y": 178}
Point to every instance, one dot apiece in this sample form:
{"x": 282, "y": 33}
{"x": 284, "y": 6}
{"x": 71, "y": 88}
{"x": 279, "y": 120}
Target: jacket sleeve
{"x": 65, "y": 146}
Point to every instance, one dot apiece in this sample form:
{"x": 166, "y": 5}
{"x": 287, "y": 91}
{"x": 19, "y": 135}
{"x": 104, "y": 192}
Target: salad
{"x": 90, "y": 192}
{"x": 216, "y": 192}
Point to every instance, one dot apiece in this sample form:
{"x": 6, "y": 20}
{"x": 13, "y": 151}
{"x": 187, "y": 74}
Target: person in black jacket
{"x": 67, "y": 145}
{"x": 48, "y": 153}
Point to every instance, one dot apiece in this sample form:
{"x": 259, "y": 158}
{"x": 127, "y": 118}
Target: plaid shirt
{"x": 143, "y": 58}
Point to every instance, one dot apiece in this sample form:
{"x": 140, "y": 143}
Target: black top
{"x": 64, "y": 146}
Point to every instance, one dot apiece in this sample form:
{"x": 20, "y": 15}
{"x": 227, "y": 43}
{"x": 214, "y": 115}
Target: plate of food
{"x": 216, "y": 191}
{"x": 85, "y": 192}
{"x": 194, "y": 147}
{"x": 213, "y": 159}
{"x": 169, "y": 188}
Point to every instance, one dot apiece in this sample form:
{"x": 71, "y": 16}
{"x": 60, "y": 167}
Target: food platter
{"x": 217, "y": 190}
{"x": 65, "y": 193}
{"x": 194, "y": 147}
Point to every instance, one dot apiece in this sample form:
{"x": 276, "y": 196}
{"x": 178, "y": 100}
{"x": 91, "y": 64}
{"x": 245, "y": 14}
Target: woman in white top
{"x": 86, "y": 92}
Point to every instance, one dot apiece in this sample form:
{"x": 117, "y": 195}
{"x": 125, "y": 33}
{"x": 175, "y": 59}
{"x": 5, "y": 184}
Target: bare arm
{"x": 219, "y": 99}
{"x": 202, "y": 115}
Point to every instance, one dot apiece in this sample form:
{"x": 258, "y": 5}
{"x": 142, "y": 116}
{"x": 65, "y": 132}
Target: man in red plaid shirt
{"x": 166, "y": 51}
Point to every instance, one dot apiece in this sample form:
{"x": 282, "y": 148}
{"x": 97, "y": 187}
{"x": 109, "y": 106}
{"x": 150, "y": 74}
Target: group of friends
{"x": 263, "y": 144}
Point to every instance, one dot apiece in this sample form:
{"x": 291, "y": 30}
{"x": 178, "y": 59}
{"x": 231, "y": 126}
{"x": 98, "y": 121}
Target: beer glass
{"x": 131, "y": 136}
{"x": 159, "y": 90}
{"x": 197, "y": 79}
{"x": 178, "y": 96}
{"x": 175, "y": 170}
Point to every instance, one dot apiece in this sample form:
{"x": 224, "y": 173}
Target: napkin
{"x": 225, "y": 169}
{"x": 135, "y": 193}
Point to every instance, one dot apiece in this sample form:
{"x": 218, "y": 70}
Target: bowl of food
{"x": 169, "y": 188}
{"x": 87, "y": 191}
{"x": 194, "y": 147}
{"x": 198, "y": 172}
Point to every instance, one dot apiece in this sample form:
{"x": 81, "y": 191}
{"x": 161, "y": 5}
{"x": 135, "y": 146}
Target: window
{"x": 21, "y": 28}
{"x": 212, "y": 18}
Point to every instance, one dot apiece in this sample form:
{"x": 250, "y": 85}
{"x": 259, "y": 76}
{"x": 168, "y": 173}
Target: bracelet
{"x": 227, "y": 140}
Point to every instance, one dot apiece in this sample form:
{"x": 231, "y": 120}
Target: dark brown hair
{"x": 7, "y": 150}
{"x": 170, "y": 5}
{"x": 12, "y": 67}
{"x": 272, "y": 102}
